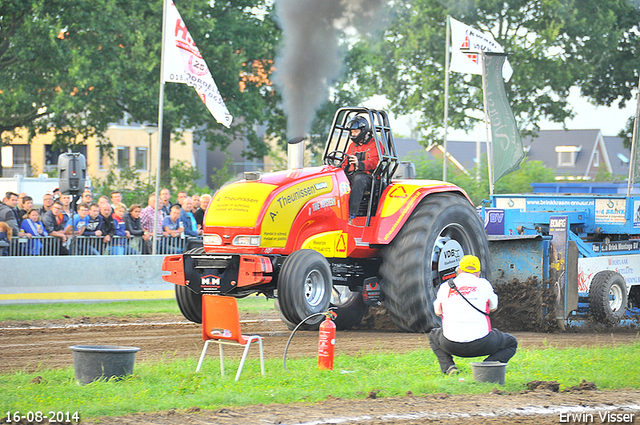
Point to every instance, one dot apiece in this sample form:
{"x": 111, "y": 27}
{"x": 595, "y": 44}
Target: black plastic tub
{"x": 93, "y": 362}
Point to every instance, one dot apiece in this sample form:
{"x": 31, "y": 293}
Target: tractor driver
{"x": 362, "y": 159}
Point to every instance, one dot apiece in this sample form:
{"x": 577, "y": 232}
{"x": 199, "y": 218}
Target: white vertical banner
{"x": 184, "y": 64}
{"x": 467, "y": 44}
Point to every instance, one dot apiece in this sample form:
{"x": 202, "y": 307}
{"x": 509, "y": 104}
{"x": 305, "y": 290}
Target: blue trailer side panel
{"x": 589, "y": 214}
{"x": 518, "y": 258}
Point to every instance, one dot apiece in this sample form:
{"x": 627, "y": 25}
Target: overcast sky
{"x": 609, "y": 120}
{"x": 588, "y": 117}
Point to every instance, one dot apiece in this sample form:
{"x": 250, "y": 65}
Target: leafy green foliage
{"x": 225, "y": 173}
{"x": 136, "y": 190}
{"x": 553, "y": 45}
{"x": 476, "y": 183}
{"x": 75, "y": 69}
{"x": 605, "y": 176}
{"x": 520, "y": 180}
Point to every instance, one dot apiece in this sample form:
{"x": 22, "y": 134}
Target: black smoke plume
{"x": 309, "y": 60}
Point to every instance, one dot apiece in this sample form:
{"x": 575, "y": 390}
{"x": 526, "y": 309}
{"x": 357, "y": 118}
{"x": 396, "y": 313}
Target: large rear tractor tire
{"x": 409, "y": 267}
{"x": 189, "y": 302}
{"x": 608, "y": 297}
{"x": 349, "y": 306}
{"x": 304, "y": 288}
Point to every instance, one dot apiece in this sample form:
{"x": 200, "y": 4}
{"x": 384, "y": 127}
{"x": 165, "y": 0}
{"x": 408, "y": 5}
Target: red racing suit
{"x": 360, "y": 175}
{"x": 367, "y": 155}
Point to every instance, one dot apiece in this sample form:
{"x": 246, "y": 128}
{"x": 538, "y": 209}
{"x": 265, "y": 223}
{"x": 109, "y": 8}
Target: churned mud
{"x": 524, "y": 306}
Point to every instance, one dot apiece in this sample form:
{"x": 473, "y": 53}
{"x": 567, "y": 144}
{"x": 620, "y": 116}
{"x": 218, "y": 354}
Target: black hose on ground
{"x": 284, "y": 357}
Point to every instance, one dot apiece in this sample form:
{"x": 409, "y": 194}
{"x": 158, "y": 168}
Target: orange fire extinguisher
{"x": 327, "y": 342}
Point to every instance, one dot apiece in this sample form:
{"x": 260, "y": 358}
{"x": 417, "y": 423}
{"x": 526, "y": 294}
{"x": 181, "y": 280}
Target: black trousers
{"x": 499, "y": 346}
{"x": 360, "y": 182}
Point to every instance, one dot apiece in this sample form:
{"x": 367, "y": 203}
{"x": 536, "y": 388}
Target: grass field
{"x": 112, "y": 309}
{"x": 170, "y": 382}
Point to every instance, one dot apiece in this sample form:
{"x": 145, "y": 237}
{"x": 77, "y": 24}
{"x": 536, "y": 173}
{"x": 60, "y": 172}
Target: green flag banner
{"x": 506, "y": 146}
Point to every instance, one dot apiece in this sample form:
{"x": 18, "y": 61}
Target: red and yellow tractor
{"x": 288, "y": 235}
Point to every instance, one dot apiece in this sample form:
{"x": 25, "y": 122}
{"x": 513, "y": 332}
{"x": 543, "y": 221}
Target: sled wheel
{"x": 608, "y": 297}
{"x": 410, "y": 264}
{"x": 304, "y": 287}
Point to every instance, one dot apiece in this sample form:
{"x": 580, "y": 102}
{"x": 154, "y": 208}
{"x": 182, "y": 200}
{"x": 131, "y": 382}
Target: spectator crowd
{"x": 64, "y": 226}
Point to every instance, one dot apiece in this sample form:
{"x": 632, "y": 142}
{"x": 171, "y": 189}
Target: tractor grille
{"x": 211, "y": 261}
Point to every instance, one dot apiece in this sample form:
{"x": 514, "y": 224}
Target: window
{"x": 565, "y": 159}
{"x": 596, "y": 159}
{"x": 103, "y": 151}
{"x": 16, "y": 159}
{"x": 141, "y": 159}
{"x": 567, "y": 155}
{"x": 123, "y": 157}
{"x": 21, "y": 154}
{"x": 623, "y": 159}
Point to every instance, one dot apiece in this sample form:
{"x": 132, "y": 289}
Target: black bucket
{"x": 489, "y": 372}
{"x": 93, "y": 362}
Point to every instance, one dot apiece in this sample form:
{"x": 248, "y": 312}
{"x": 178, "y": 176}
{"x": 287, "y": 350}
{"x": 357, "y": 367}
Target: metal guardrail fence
{"x": 95, "y": 245}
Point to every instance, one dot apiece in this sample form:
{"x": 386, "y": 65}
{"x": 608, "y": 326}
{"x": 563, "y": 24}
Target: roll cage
{"x": 338, "y": 140}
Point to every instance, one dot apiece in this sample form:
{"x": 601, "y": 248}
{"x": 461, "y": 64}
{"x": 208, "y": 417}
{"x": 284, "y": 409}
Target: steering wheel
{"x": 335, "y": 158}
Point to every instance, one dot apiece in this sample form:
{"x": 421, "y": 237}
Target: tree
{"x": 518, "y": 181}
{"x": 75, "y": 68}
{"x": 136, "y": 191}
{"x": 237, "y": 40}
{"x": 553, "y": 45}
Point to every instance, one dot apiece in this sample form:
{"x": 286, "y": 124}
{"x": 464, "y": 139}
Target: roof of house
{"x": 456, "y": 149}
{"x": 543, "y": 148}
{"x": 618, "y": 155}
{"x": 466, "y": 152}
{"x": 406, "y": 146}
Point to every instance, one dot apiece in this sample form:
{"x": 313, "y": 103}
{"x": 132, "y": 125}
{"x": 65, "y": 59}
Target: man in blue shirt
{"x": 76, "y": 227}
{"x": 79, "y": 221}
{"x": 95, "y": 221}
{"x": 173, "y": 230}
{"x": 186, "y": 214}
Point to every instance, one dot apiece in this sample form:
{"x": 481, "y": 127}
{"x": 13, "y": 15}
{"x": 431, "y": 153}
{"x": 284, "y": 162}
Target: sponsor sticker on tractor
{"x": 210, "y": 283}
{"x": 450, "y": 255}
{"x": 285, "y": 207}
{"x": 238, "y": 205}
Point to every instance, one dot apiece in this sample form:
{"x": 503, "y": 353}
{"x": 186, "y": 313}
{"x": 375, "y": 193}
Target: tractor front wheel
{"x": 304, "y": 288}
{"x": 189, "y": 302}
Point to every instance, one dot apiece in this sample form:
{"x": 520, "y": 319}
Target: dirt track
{"x": 28, "y": 346}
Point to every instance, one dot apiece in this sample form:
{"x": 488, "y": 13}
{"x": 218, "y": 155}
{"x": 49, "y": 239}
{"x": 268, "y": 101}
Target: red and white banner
{"x": 184, "y": 64}
{"x": 466, "y": 45}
